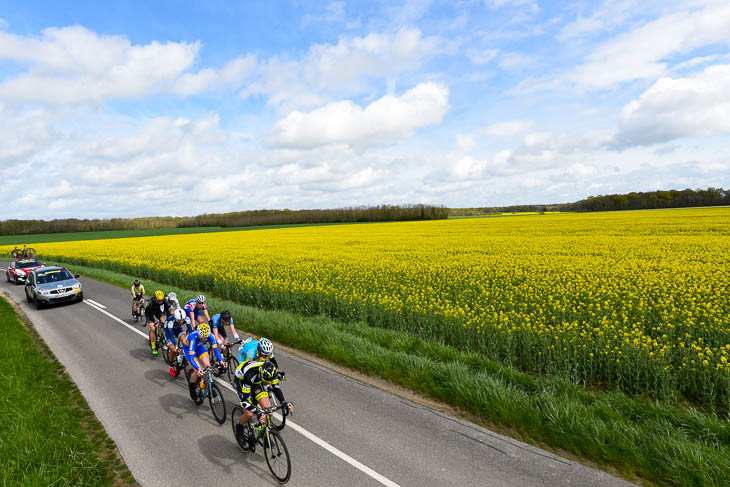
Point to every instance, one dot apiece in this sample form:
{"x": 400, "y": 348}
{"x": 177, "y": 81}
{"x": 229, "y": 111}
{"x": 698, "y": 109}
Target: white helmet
{"x": 179, "y": 314}
{"x": 200, "y": 299}
{"x": 172, "y": 296}
{"x": 266, "y": 347}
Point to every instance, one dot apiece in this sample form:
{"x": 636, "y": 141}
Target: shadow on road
{"x": 143, "y": 354}
{"x": 223, "y": 452}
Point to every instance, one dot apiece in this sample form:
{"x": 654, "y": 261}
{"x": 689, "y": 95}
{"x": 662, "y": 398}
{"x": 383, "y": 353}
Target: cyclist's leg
{"x": 151, "y": 325}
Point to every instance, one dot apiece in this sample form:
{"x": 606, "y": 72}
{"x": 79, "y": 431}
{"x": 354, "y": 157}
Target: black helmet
{"x": 268, "y": 371}
{"x": 136, "y": 282}
{"x": 226, "y": 315}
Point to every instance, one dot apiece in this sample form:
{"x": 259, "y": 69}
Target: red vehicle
{"x": 18, "y": 269}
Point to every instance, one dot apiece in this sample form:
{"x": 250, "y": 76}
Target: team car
{"x": 18, "y": 270}
{"x": 48, "y": 285}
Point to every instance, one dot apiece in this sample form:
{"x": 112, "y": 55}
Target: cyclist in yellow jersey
{"x": 137, "y": 286}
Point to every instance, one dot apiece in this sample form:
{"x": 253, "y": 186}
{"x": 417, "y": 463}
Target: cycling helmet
{"x": 136, "y": 282}
{"x": 226, "y": 315}
{"x": 268, "y": 371}
{"x": 200, "y": 299}
{"x": 203, "y": 331}
{"x": 159, "y": 295}
{"x": 179, "y": 314}
{"x": 266, "y": 347}
{"x": 172, "y": 296}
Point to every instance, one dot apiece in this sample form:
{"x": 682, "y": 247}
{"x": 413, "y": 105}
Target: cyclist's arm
{"x": 214, "y": 346}
{"x": 234, "y": 332}
{"x": 192, "y": 356}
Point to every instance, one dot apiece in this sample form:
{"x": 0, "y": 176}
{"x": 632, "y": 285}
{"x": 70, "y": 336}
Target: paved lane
{"x": 343, "y": 431}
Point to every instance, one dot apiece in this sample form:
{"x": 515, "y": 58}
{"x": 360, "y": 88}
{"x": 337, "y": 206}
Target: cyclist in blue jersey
{"x": 196, "y": 309}
{"x": 257, "y": 351}
{"x": 218, "y": 326}
{"x": 197, "y": 355}
{"x": 174, "y": 334}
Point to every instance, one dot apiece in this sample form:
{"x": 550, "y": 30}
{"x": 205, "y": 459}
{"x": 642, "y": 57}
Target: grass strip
{"x": 49, "y": 434}
{"x": 147, "y": 232}
{"x": 663, "y": 443}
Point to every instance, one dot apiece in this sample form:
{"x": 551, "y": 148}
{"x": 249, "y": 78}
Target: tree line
{"x": 232, "y": 219}
{"x": 614, "y": 202}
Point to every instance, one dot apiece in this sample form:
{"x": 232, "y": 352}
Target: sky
{"x": 181, "y": 108}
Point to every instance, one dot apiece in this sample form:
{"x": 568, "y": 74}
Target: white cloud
{"x": 342, "y": 69}
{"x": 334, "y": 12}
{"x": 609, "y": 14}
{"x": 481, "y": 56}
{"x": 515, "y": 60}
{"x": 72, "y": 65}
{"x": 644, "y": 52}
{"x": 671, "y": 108}
{"x": 508, "y": 128}
{"x": 347, "y": 123}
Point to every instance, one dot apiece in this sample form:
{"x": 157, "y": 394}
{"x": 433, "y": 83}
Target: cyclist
{"x": 218, "y": 326}
{"x": 196, "y": 309}
{"x": 157, "y": 311}
{"x": 138, "y": 294}
{"x": 249, "y": 387}
{"x": 197, "y": 355}
{"x": 174, "y": 334}
{"x": 257, "y": 351}
{"x": 174, "y": 303}
{"x": 137, "y": 286}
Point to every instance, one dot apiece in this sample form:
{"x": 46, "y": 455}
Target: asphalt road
{"x": 343, "y": 432}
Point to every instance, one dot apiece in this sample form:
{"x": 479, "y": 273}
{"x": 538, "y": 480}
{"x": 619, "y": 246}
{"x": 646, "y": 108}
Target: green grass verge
{"x": 49, "y": 436}
{"x": 149, "y": 232}
{"x": 663, "y": 443}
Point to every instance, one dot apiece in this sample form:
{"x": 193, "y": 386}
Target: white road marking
{"x": 144, "y": 335}
{"x": 98, "y": 305}
{"x": 311, "y": 436}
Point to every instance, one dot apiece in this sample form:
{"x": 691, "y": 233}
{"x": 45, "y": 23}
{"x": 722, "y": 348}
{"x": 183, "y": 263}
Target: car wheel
{"x": 15, "y": 278}
{"x": 27, "y": 296}
{"x": 7, "y": 274}
{"x": 38, "y": 303}
{"x": 81, "y": 297}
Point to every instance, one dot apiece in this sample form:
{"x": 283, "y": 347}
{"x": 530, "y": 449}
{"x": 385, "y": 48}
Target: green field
{"x": 49, "y": 435}
{"x": 20, "y": 240}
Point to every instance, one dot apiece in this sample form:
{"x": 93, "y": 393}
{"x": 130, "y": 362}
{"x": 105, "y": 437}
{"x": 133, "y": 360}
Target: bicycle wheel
{"x": 277, "y": 457}
{"x": 188, "y": 373}
{"x": 162, "y": 345}
{"x": 231, "y": 371}
{"x": 276, "y": 423}
{"x": 236, "y": 414}
{"x": 217, "y": 404}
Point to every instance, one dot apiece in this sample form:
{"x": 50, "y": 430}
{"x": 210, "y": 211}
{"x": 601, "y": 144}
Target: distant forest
{"x": 233, "y": 219}
{"x": 615, "y": 202}
{"x": 612, "y": 202}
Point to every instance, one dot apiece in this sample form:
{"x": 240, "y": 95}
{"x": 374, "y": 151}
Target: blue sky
{"x": 182, "y": 108}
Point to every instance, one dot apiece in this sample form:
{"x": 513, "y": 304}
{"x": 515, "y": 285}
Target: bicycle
{"x": 228, "y": 357}
{"x": 212, "y": 392}
{"x": 275, "y": 422}
{"x": 138, "y": 308}
{"x": 161, "y": 341}
{"x": 275, "y": 450}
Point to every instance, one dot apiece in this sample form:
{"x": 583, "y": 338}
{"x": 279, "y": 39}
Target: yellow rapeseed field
{"x": 637, "y": 301}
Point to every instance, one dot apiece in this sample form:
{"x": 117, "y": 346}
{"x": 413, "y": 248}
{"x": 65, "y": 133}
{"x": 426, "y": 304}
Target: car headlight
{"x": 76, "y": 286}
{"x": 20, "y": 273}
{"x": 43, "y": 291}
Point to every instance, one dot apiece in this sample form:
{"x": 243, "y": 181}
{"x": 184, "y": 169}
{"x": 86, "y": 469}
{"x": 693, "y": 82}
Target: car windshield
{"x": 54, "y": 276}
{"x": 27, "y": 263}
